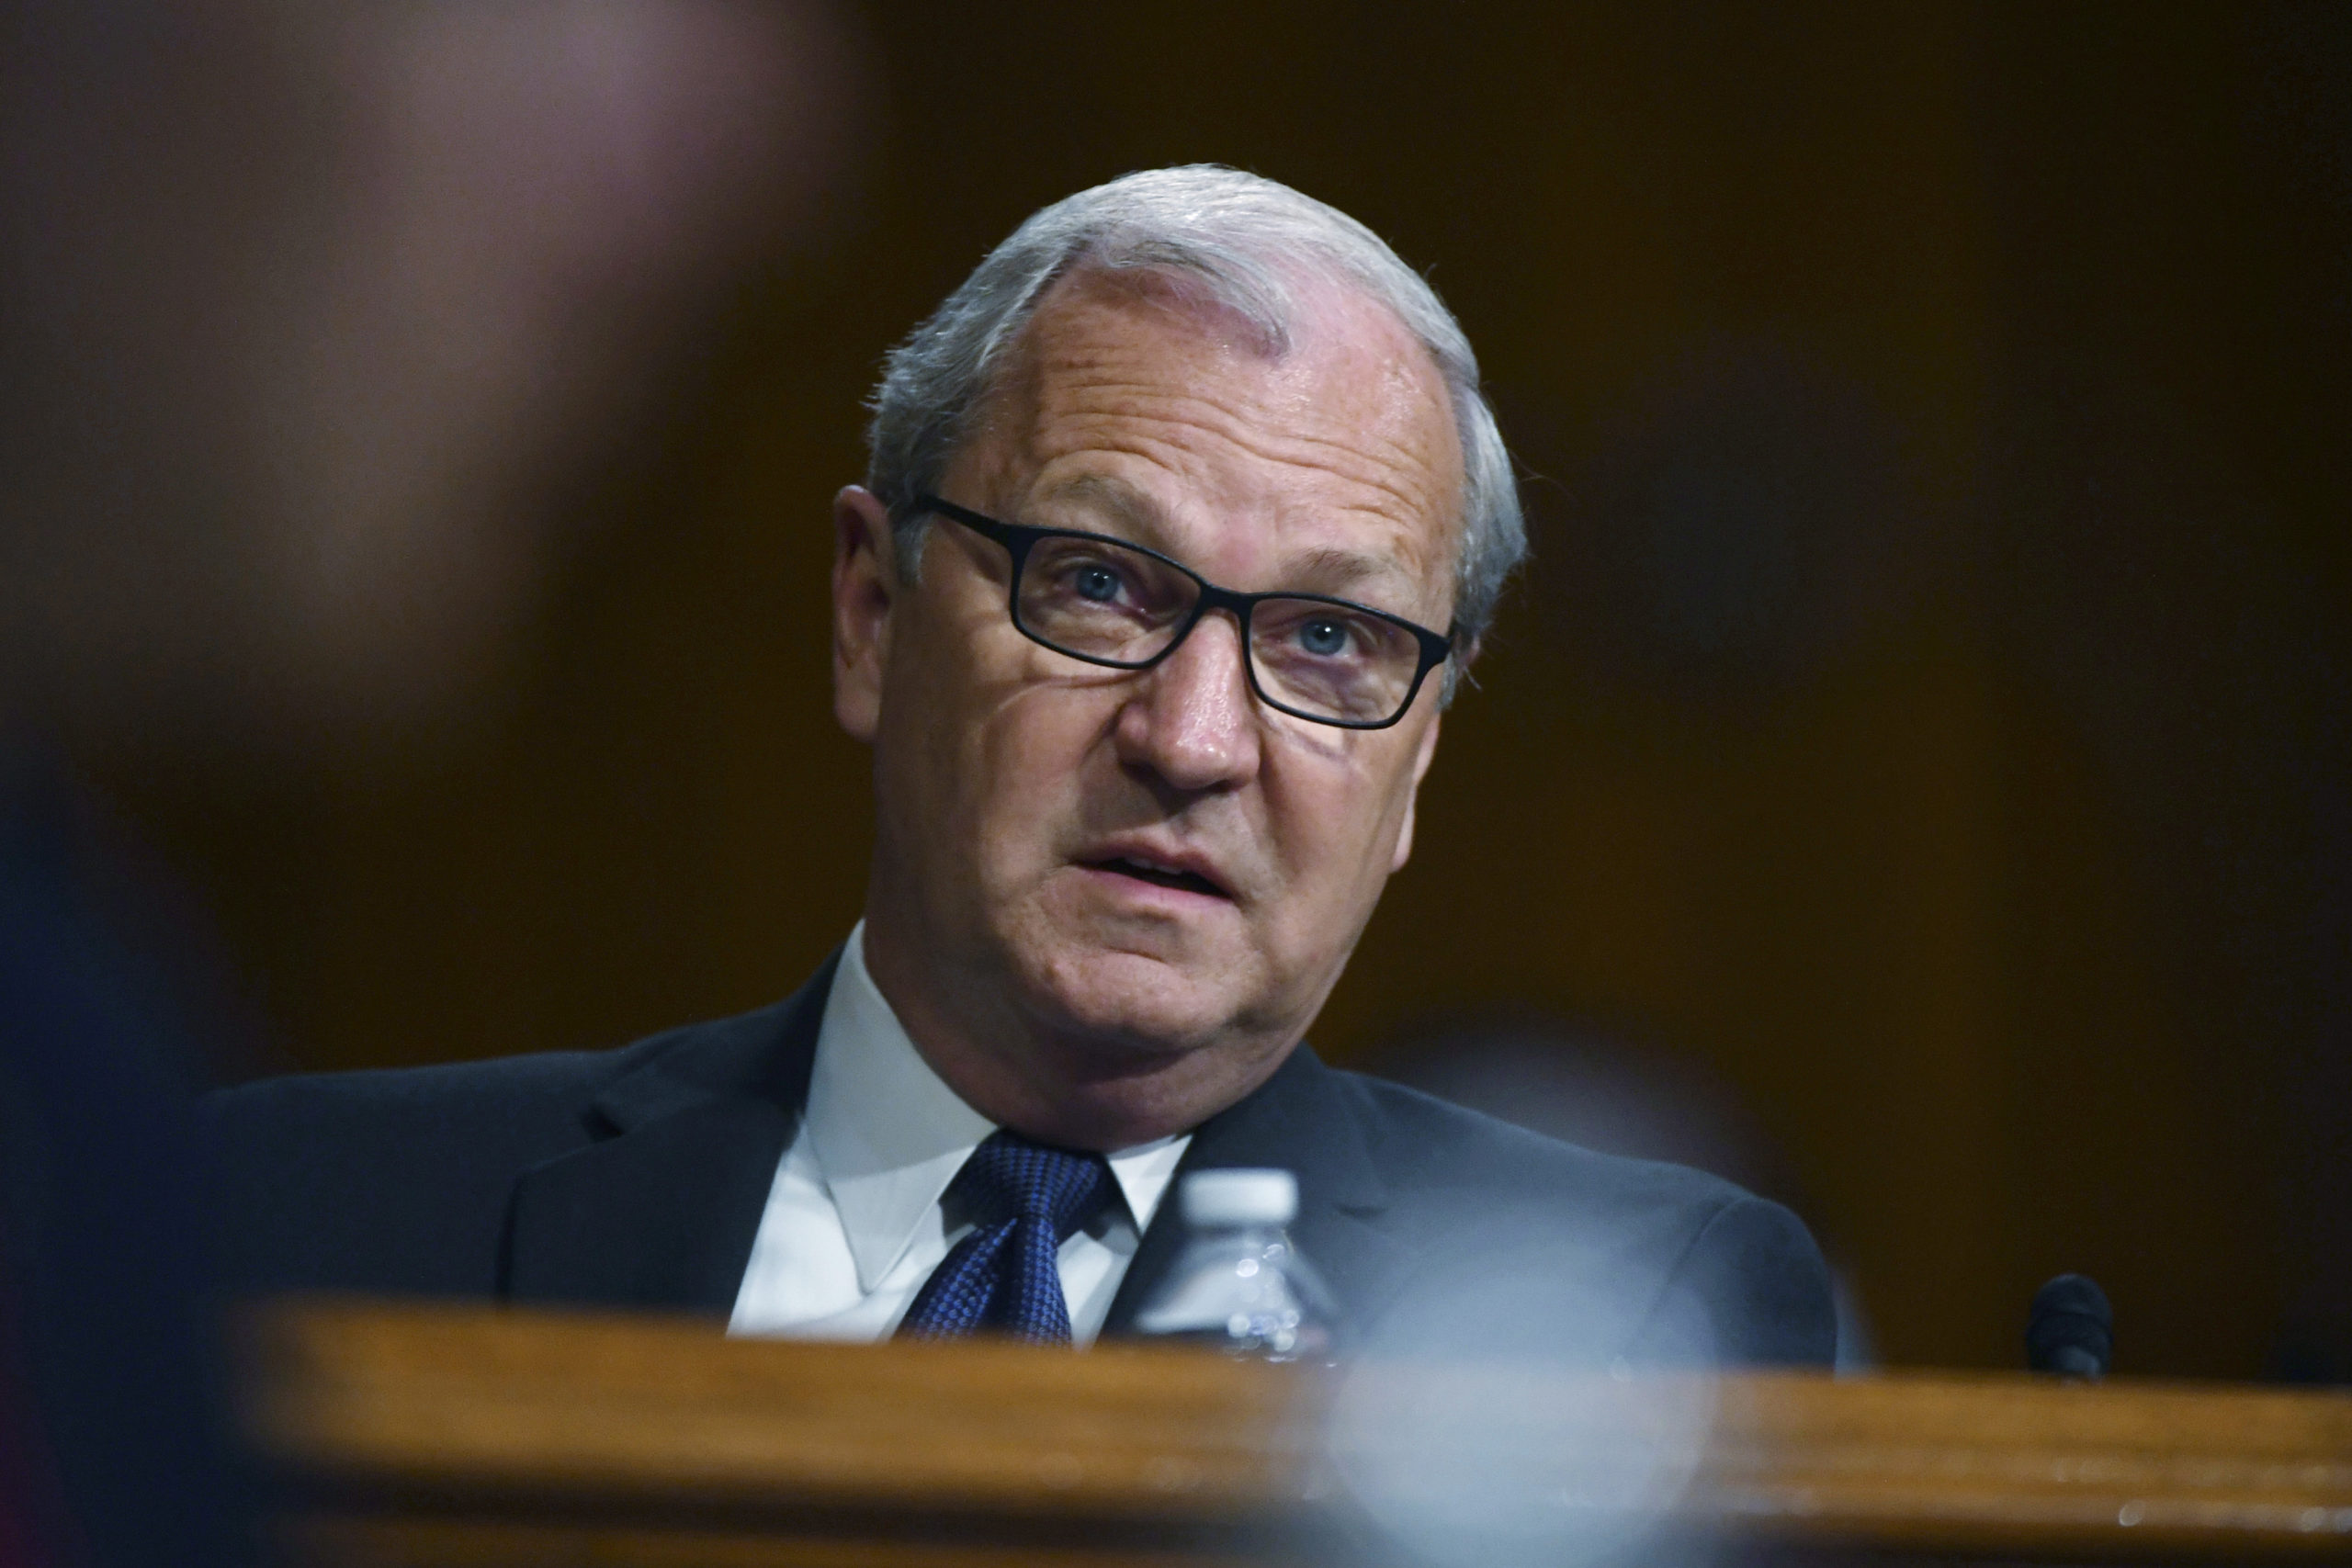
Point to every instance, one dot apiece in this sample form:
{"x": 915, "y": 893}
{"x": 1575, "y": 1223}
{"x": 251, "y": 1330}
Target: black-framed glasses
{"x": 1107, "y": 602}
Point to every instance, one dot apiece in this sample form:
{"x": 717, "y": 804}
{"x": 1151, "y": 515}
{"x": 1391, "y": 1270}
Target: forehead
{"x": 1245, "y": 459}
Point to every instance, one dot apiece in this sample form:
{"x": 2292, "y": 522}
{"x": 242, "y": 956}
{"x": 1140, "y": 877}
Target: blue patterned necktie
{"x": 1028, "y": 1198}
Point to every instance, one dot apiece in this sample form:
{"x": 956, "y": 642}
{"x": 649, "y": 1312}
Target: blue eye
{"x": 1098, "y": 583}
{"x": 1325, "y": 639}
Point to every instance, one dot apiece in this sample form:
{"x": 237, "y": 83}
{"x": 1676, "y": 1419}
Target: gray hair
{"x": 1235, "y": 237}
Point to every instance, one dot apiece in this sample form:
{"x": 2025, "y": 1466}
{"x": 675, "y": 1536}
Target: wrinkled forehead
{"x": 1333, "y": 437}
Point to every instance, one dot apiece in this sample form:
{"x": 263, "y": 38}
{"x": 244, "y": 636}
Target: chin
{"x": 1140, "y": 1006}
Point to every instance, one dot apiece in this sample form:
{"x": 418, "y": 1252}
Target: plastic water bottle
{"x": 1240, "y": 1286}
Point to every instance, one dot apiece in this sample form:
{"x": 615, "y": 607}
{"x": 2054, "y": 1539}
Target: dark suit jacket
{"x": 636, "y": 1178}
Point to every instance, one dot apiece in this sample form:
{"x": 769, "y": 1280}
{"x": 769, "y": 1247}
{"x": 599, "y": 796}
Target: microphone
{"x": 2070, "y": 1329}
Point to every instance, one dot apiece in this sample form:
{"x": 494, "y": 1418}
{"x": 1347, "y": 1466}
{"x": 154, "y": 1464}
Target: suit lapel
{"x": 1300, "y": 1121}
{"x": 661, "y": 1212}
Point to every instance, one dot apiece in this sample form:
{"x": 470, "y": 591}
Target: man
{"x": 1184, "y": 516}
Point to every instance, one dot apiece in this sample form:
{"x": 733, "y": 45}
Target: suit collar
{"x": 662, "y": 1210}
{"x": 762, "y": 1055}
{"x": 1301, "y": 1119}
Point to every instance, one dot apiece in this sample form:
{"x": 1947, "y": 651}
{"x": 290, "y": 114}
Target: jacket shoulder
{"x": 392, "y": 1181}
{"x": 309, "y": 1108}
{"x": 1674, "y": 1264}
{"x": 398, "y": 1181}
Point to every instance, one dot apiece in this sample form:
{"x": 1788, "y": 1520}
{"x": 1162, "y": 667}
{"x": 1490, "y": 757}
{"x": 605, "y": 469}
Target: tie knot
{"x": 1010, "y": 1176}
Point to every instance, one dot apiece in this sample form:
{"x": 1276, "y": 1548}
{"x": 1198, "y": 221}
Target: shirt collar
{"x": 889, "y": 1134}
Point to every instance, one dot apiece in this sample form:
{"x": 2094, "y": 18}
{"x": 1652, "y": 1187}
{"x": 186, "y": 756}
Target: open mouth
{"x": 1162, "y": 877}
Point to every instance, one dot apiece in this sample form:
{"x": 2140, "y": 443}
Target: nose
{"x": 1192, "y": 720}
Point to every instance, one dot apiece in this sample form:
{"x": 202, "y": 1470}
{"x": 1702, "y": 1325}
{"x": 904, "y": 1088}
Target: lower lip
{"x": 1135, "y": 887}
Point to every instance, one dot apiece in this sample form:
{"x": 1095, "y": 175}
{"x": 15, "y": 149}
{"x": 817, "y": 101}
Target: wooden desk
{"x": 447, "y": 1435}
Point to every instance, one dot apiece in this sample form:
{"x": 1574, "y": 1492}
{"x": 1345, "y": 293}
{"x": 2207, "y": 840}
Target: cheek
{"x": 1031, "y": 750}
{"x": 1338, "y": 813}
{"x": 1017, "y": 774}
{"x": 930, "y": 743}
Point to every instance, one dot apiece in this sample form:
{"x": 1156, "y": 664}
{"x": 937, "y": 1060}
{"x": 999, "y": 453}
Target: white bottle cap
{"x": 1240, "y": 1198}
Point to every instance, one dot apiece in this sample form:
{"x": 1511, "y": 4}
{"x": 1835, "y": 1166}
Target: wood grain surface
{"x": 418, "y": 1435}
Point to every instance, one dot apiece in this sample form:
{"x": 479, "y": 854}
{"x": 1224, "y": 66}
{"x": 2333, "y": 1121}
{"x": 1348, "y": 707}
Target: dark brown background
{"x": 1926, "y": 709}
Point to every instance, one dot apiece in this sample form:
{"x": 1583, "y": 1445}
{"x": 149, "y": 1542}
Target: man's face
{"x": 1107, "y": 902}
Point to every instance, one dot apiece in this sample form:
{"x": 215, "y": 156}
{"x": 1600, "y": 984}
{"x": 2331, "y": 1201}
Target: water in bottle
{"x": 1240, "y": 1285}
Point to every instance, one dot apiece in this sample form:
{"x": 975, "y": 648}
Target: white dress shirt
{"x": 853, "y": 1226}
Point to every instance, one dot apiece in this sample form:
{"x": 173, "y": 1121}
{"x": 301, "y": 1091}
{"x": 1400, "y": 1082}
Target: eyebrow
{"x": 1330, "y": 566}
{"x": 1125, "y": 503}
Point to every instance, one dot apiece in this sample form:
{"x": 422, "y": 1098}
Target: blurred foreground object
{"x": 112, "y": 1451}
{"x": 458, "y": 1435}
{"x": 312, "y": 317}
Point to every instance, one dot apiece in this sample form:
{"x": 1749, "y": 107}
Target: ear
{"x": 865, "y": 589}
{"x": 1421, "y": 760}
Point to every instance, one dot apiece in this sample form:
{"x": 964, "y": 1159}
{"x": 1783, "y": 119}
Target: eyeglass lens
{"x": 1121, "y": 606}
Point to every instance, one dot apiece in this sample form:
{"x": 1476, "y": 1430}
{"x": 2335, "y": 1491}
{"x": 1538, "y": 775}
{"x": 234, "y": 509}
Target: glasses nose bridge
{"x": 1213, "y": 599}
